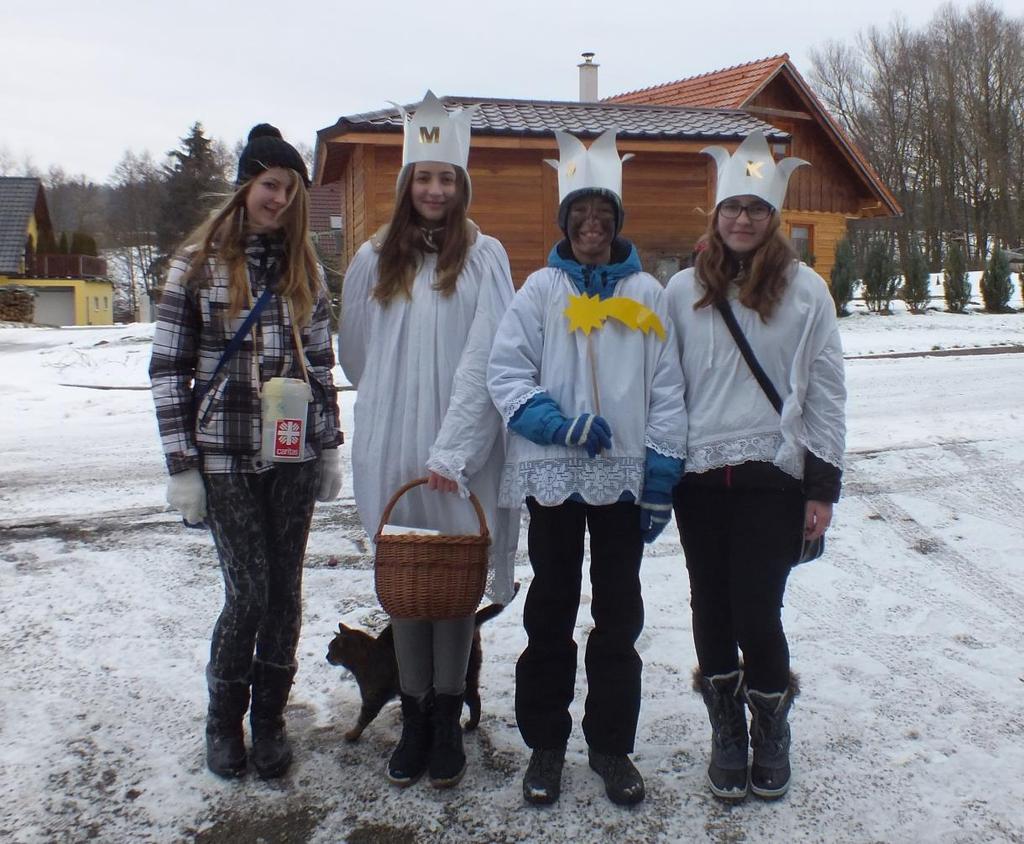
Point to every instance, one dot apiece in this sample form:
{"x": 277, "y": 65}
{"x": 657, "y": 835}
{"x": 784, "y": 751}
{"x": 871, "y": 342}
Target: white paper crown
{"x": 752, "y": 170}
{"x": 434, "y": 134}
{"x": 579, "y": 167}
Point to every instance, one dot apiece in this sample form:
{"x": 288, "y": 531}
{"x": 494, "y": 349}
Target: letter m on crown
{"x": 431, "y": 135}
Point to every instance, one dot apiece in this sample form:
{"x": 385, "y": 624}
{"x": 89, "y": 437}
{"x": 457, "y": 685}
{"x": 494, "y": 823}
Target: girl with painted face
{"x": 585, "y": 372}
{"x": 243, "y": 313}
{"x": 421, "y": 303}
{"x": 760, "y": 479}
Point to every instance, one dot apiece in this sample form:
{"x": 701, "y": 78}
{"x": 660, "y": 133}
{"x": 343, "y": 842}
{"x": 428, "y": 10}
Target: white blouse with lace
{"x": 731, "y": 421}
{"x": 639, "y": 389}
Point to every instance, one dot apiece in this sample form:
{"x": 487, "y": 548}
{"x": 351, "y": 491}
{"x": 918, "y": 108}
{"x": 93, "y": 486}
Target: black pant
{"x": 260, "y": 523}
{"x": 546, "y": 671}
{"x": 739, "y": 545}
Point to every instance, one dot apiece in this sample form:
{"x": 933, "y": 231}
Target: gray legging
{"x": 433, "y": 655}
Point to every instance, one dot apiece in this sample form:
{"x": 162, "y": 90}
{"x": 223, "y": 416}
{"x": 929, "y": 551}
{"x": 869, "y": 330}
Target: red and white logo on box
{"x": 288, "y": 438}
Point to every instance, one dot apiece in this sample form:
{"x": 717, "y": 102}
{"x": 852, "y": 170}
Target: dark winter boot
{"x": 727, "y": 771}
{"x": 622, "y": 781}
{"x": 409, "y": 760}
{"x": 769, "y": 737}
{"x": 447, "y": 759}
{"x": 271, "y": 749}
{"x": 225, "y": 746}
{"x": 542, "y": 782}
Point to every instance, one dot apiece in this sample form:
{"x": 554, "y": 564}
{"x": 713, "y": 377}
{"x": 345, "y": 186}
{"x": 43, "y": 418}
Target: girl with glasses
{"x": 758, "y": 481}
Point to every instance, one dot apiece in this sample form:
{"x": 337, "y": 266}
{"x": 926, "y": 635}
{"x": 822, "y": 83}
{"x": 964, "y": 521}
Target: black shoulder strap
{"x": 748, "y": 356}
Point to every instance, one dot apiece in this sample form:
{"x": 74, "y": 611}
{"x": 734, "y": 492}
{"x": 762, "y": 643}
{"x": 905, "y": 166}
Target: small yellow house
{"x": 69, "y": 289}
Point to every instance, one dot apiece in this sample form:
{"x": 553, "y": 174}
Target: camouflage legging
{"x": 260, "y": 523}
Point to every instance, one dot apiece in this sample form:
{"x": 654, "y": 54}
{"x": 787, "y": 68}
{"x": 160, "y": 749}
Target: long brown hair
{"x": 223, "y": 235}
{"x": 402, "y": 250}
{"x": 762, "y": 275}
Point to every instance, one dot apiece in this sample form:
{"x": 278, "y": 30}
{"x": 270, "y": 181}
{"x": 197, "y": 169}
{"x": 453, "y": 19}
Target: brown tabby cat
{"x": 373, "y": 664}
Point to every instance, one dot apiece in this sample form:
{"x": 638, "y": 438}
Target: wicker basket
{"x": 430, "y": 577}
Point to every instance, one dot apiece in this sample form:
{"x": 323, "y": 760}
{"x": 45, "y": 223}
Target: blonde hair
{"x": 223, "y": 235}
{"x": 762, "y": 275}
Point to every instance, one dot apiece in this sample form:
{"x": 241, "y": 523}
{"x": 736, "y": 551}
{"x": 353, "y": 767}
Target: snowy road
{"x": 908, "y": 636}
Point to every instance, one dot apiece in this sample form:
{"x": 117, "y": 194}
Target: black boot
{"x": 622, "y": 781}
{"x": 409, "y": 760}
{"x": 770, "y": 737}
{"x": 727, "y": 771}
{"x": 542, "y": 782}
{"x": 271, "y": 749}
{"x": 447, "y": 759}
{"x": 225, "y": 747}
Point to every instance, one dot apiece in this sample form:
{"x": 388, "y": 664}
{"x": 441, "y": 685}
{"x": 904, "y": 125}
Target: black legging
{"x": 739, "y": 546}
{"x": 260, "y": 523}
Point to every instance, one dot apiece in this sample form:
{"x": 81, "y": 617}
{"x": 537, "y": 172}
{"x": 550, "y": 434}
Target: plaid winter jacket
{"x": 221, "y": 431}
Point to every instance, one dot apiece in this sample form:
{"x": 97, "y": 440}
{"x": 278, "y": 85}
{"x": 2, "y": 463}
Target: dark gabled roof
{"x": 537, "y": 117}
{"x": 18, "y": 196}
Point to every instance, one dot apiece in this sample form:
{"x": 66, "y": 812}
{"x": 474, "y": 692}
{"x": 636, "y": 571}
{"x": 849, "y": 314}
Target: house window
{"x": 104, "y": 303}
{"x": 803, "y": 242}
{"x": 96, "y": 302}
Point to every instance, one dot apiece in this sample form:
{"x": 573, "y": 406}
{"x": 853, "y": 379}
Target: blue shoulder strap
{"x": 235, "y": 343}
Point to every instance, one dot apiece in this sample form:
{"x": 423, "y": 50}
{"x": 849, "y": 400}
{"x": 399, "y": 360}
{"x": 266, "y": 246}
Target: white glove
{"x": 330, "y": 475}
{"x": 186, "y": 493}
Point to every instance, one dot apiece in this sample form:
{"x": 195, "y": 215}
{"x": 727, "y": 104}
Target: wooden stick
{"x": 593, "y": 374}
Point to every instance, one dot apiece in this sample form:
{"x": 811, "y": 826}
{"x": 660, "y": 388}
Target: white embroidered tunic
{"x": 419, "y": 366}
{"x": 731, "y": 421}
{"x": 639, "y": 385}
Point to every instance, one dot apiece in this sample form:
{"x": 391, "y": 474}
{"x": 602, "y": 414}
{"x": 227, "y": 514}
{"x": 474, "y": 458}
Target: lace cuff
{"x": 450, "y": 465}
{"x": 513, "y": 407}
{"x": 675, "y": 450}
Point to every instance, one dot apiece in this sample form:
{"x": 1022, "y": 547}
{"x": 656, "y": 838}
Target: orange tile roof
{"x": 727, "y": 88}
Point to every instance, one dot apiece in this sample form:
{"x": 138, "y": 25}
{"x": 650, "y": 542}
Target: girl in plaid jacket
{"x": 208, "y": 407}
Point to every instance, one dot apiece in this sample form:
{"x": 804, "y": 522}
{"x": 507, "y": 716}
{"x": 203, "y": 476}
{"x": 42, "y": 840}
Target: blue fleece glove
{"x": 661, "y": 473}
{"x": 655, "y": 513}
{"x": 587, "y": 430}
{"x": 541, "y": 421}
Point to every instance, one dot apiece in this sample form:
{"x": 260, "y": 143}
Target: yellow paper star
{"x": 586, "y": 312}
{"x": 754, "y": 169}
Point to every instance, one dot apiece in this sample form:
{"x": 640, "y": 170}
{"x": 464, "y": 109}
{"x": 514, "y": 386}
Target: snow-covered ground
{"x": 908, "y": 634}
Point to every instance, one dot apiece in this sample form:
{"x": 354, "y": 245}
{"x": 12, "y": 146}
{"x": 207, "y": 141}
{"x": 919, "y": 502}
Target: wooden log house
{"x": 667, "y": 188}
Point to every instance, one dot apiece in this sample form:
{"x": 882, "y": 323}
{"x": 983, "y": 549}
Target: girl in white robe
{"x": 415, "y": 341}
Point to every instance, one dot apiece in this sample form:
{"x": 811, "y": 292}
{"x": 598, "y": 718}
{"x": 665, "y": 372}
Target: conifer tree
{"x": 916, "y": 291}
{"x": 843, "y": 277}
{"x": 955, "y": 282}
{"x": 880, "y": 278}
{"x": 996, "y": 287}
{"x": 193, "y": 179}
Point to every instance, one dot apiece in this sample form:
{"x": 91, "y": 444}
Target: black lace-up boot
{"x": 727, "y": 770}
{"x": 447, "y": 758}
{"x": 410, "y": 758}
{"x": 770, "y": 739}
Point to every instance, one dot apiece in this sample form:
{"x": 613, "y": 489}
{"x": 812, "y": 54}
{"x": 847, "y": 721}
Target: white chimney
{"x": 588, "y": 79}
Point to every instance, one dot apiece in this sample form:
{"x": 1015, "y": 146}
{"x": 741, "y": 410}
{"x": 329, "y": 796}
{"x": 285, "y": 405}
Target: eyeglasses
{"x": 756, "y": 211}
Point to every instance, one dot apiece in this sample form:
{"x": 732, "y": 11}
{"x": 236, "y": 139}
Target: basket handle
{"x": 417, "y": 482}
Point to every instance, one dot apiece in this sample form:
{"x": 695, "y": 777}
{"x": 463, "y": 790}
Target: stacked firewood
{"x": 16, "y": 305}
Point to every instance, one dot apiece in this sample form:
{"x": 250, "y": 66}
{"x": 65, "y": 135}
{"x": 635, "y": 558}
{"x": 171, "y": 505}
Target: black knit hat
{"x": 265, "y": 149}
{"x": 604, "y": 193}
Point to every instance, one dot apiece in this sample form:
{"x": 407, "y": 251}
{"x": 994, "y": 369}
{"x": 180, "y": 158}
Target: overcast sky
{"x": 80, "y": 83}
